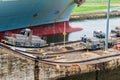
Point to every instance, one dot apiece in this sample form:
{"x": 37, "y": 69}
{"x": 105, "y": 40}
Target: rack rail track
{"x": 87, "y": 61}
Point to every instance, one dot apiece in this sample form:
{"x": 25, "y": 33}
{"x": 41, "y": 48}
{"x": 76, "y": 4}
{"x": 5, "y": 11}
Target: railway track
{"x": 87, "y": 61}
{"x": 67, "y": 45}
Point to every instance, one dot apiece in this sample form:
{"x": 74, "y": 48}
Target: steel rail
{"x": 55, "y": 62}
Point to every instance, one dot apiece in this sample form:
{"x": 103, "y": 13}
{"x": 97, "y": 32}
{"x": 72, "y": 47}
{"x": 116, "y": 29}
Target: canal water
{"x": 91, "y": 25}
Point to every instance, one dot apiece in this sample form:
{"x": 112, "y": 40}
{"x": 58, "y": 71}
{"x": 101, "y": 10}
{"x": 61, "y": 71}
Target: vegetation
{"x": 101, "y": 1}
{"x": 95, "y": 6}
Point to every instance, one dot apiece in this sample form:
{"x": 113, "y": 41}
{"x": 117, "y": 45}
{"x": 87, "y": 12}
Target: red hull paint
{"x": 45, "y": 30}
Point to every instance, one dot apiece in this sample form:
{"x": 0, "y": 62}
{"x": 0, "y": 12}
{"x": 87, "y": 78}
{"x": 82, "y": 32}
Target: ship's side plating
{"x": 46, "y": 18}
{"x": 15, "y": 14}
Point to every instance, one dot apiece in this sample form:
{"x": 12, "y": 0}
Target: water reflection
{"x": 90, "y": 25}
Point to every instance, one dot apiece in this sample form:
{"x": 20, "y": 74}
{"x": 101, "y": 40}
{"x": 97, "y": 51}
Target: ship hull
{"x": 25, "y": 13}
{"x": 37, "y": 15}
{"x": 50, "y": 32}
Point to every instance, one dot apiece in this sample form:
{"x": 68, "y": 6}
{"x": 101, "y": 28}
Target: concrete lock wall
{"x": 14, "y": 67}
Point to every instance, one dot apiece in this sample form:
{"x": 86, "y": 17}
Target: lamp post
{"x": 107, "y": 26}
